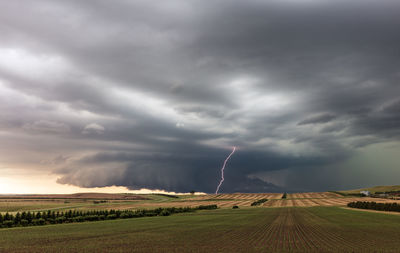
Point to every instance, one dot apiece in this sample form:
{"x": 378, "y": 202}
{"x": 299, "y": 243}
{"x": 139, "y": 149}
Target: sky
{"x": 146, "y": 95}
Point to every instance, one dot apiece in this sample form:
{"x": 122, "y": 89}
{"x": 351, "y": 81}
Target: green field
{"x": 290, "y": 229}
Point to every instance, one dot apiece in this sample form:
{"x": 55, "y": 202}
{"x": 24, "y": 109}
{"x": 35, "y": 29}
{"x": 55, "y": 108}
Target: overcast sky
{"x": 154, "y": 94}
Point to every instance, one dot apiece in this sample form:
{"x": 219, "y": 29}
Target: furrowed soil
{"x": 88, "y": 201}
{"x": 286, "y": 229}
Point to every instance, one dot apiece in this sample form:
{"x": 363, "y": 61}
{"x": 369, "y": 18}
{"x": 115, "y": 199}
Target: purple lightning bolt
{"x": 222, "y": 170}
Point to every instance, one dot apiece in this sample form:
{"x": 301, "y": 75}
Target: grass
{"x": 30, "y": 205}
{"x": 313, "y": 229}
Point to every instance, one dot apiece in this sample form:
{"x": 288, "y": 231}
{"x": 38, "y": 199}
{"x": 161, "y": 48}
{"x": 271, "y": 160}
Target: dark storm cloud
{"x": 146, "y": 94}
{"x": 322, "y": 118}
{"x": 173, "y": 172}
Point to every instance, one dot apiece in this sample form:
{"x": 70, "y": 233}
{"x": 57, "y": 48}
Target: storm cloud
{"x": 148, "y": 94}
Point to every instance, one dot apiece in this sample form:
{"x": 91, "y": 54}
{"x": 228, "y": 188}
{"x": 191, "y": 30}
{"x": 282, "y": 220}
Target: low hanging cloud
{"x": 93, "y": 128}
{"x": 47, "y": 126}
{"x": 154, "y": 95}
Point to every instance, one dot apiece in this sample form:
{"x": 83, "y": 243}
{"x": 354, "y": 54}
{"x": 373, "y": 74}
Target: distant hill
{"x": 89, "y": 195}
{"x": 381, "y": 188}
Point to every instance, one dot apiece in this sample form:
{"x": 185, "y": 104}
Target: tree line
{"x": 389, "y": 192}
{"x": 52, "y": 217}
{"x": 259, "y": 202}
{"x": 375, "y": 206}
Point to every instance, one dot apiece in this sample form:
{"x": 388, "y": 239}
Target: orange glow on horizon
{"x": 46, "y": 184}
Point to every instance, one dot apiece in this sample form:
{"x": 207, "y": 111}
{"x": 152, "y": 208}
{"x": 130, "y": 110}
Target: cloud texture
{"x": 149, "y": 94}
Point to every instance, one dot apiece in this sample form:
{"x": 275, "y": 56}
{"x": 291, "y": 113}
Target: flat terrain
{"x": 129, "y": 201}
{"x": 88, "y": 195}
{"x": 288, "y": 229}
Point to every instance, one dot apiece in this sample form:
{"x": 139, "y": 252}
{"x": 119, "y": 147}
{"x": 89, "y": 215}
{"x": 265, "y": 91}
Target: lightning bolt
{"x": 222, "y": 170}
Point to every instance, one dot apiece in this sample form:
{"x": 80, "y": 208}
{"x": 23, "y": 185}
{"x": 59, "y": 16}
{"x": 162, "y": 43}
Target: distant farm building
{"x": 365, "y": 193}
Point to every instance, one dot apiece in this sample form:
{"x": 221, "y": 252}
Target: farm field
{"x": 313, "y": 195}
{"x": 35, "y": 203}
{"x": 383, "y": 188}
{"x": 288, "y": 229}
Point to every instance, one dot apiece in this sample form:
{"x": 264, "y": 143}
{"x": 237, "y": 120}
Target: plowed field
{"x": 313, "y": 229}
{"x": 152, "y": 201}
{"x": 313, "y": 195}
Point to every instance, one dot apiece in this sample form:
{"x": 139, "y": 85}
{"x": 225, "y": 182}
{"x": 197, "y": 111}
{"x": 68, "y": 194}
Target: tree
{"x": 165, "y": 213}
{"x": 24, "y": 222}
{"x": 29, "y": 217}
{"x": 17, "y": 218}
{"x": 8, "y": 223}
{"x": 192, "y": 192}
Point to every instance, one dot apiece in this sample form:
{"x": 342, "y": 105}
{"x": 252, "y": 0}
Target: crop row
{"x": 246, "y": 196}
{"x": 313, "y": 195}
{"x": 293, "y": 230}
